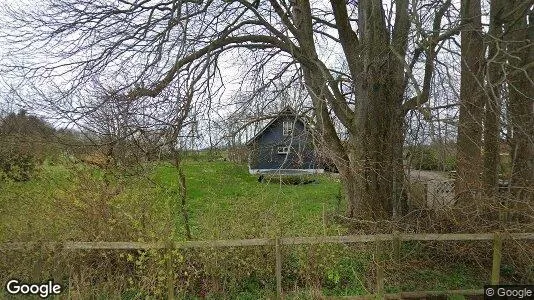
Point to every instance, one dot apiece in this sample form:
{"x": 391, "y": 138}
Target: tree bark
{"x": 519, "y": 37}
{"x": 378, "y": 132}
{"x": 493, "y": 101}
{"x": 370, "y": 162}
{"x": 469, "y": 159}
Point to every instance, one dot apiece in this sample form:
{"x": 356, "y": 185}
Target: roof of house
{"x": 286, "y": 111}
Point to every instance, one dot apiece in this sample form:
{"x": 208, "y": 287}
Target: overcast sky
{"x": 232, "y": 70}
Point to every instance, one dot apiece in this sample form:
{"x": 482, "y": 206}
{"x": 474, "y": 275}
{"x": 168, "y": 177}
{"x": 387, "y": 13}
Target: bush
{"x": 431, "y": 158}
{"x": 81, "y": 203}
{"x": 17, "y": 166}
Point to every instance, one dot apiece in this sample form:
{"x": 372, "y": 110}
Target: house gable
{"x": 283, "y": 144}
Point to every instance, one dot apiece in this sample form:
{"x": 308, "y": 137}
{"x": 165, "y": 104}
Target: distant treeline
{"x": 27, "y": 141}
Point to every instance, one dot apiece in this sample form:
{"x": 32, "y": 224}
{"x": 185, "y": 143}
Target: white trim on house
{"x": 287, "y": 127}
{"x": 285, "y": 171}
{"x": 283, "y": 149}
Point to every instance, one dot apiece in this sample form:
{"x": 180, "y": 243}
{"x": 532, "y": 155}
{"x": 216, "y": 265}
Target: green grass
{"x": 224, "y": 202}
{"x": 23, "y": 205}
{"x": 75, "y": 202}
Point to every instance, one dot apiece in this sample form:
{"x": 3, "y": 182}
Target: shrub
{"x": 82, "y": 203}
{"x": 17, "y": 166}
{"x": 431, "y": 158}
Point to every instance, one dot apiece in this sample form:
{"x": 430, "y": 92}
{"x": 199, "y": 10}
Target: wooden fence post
{"x": 497, "y": 252}
{"x": 397, "y": 247}
{"x": 379, "y": 268}
{"x": 324, "y": 220}
{"x": 278, "y": 270}
{"x": 170, "y": 273}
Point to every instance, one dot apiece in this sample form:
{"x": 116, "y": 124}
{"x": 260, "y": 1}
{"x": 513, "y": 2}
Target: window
{"x": 283, "y": 150}
{"x": 287, "y": 127}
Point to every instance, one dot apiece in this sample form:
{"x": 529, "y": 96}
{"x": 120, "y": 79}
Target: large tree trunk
{"x": 493, "y": 101}
{"x": 469, "y": 161}
{"x": 374, "y": 179}
{"x": 379, "y": 134}
{"x": 377, "y": 162}
{"x": 520, "y": 48}
{"x": 370, "y": 162}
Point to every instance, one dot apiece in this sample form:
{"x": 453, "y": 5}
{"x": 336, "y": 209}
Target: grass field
{"x": 226, "y": 202}
{"x": 75, "y": 202}
{"x": 223, "y": 201}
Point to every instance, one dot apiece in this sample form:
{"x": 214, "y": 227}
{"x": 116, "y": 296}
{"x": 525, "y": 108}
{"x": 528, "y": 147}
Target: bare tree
{"x": 492, "y": 111}
{"x": 161, "y": 42}
{"x": 519, "y": 37}
{"x": 503, "y": 76}
{"x": 469, "y": 158}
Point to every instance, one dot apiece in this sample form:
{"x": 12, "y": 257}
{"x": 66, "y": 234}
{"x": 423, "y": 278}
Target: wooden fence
{"x": 395, "y": 238}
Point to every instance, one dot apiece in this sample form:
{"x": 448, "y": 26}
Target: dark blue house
{"x": 284, "y": 146}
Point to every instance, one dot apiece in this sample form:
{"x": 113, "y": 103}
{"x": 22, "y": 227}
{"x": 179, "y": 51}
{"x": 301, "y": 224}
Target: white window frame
{"x": 287, "y": 128}
{"x": 283, "y": 150}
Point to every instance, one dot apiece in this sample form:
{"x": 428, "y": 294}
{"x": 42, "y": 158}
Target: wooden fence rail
{"x": 277, "y": 243}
